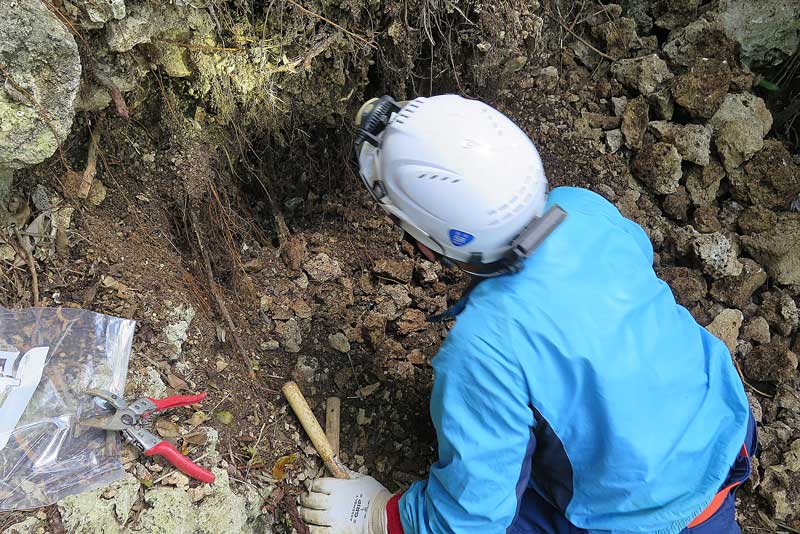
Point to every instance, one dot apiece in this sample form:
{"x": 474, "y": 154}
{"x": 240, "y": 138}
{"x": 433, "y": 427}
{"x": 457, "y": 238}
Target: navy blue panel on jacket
{"x": 636, "y": 412}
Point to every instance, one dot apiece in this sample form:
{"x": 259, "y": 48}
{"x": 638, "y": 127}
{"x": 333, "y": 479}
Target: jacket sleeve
{"x": 481, "y": 410}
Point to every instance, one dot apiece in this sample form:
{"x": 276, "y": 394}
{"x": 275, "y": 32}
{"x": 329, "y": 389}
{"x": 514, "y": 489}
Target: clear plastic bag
{"x": 48, "y": 358}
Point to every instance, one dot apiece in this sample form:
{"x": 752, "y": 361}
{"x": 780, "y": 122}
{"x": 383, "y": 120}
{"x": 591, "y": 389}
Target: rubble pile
{"x": 717, "y": 199}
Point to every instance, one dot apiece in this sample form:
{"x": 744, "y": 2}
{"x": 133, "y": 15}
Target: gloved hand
{"x": 337, "y": 506}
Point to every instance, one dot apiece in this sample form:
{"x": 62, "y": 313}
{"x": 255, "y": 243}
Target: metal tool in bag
{"x": 131, "y": 419}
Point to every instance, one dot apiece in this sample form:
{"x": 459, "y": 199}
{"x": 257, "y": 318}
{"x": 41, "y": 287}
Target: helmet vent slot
{"x": 440, "y": 177}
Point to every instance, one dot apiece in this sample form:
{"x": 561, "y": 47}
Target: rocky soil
{"x": 186, "y": 165}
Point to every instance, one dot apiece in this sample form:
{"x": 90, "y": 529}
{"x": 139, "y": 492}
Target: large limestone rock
{"x": 778, "y": 248}
{"x": 768, "y": 30}
{"x": 43, "y": 72}
{"x": 740, "y": 125}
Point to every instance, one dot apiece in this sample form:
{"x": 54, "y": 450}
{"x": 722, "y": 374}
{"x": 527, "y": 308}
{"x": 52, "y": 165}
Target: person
{"x": 572, "y": 394}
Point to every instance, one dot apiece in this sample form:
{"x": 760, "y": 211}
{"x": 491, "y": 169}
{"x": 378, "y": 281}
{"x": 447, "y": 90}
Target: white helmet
{"x": 457, "y": 175}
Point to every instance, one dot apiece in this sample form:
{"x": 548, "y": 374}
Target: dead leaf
{"x": 279, "y": 469}
{"x": 176, "y": 382}
{"x": 198, "y": 437}
{"x": 224, "y": 417}
{"x": 122, "y": 290}
{"x": 197, "y": 419}
{"x": 221, "y": 335}
{"x": 62, "y": 242}
{"x": 221, "y": 365}
{"x": 366, "y": 391}
{"x": 167, "y": 429}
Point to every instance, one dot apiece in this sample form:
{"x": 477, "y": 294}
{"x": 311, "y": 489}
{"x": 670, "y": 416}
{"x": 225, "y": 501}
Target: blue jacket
{"x": 580, "y": 378}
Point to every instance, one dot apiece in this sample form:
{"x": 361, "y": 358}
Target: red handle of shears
{"x": 167, "y": 450}
{"x": 177, "y": 400}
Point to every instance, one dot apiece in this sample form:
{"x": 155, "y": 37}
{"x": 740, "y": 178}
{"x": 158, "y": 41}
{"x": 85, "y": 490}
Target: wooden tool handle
{"x": 333, "y": 407}
{"x": 303, "y": 412}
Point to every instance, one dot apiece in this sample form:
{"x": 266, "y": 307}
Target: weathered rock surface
{"x": 766, "y": 29}
{"x": 740, "y": 125}
{"x": 688, "y": 285}
{"x": 780, "y": 311}
{"x": 726, "y": 326}
{"x": 778, "y": 248}
{"x": 772, "y": 362}
{"x": 99, "y": 12}
{"x": 634, "y": 122}
{"x": 757, "y": 329}
{"x": 661, "y": 103}
{"x": 705, "y": 220}
{"x": 702, "y": 89}
{"x": 676, "y": 204}
{"x": 659, "y": 166}
{"x": 770, "y": 179}
{"x": 714, "y": 251}
{"x": 702, "y": 183}
{"x": 43, "y": 71}
{"x": 756, "y": 219}
{"x": 699, "y": 42}
{"x": 90, "y": 512}
{"x": 644, "y": 74}
{"x": 693, "y": 141}
{"x": 737, "y": 290}
{"x": 322, "y": 268}
{"x": 616, "y": 35}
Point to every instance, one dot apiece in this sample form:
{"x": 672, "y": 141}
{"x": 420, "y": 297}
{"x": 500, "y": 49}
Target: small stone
{"x": 772, "y": 362}
{"x": 254, "y": 265}
{"x": 428, "y": 272}
{"x": 757, "y": 329}
{"x": 417, "y": 357}
{"x": 780, "y": 311}
{"x": 271, "y": 345}
{"x": 412, "y": 320}
{"x": 737, "y": 290}
{"x": 400, "y": 270}
{"x": 619, "y": 104}
{"x": 634, "y": 122}
{"x": 659, "y": 166}
{"x": 661, "y": 103}
{"x": 614, "y": 140}
{"x": 616, "y": 36}
{"x": 643, "y": 74}
{"x": 725, "y": 326}
{"x": 598, "y": 120}
{"x": 676, "y": 204}
{"x": 692, "y": 140}
{"x": 702, "y": 183}
{"x": 705, "y": 220}
{"x": 289, "y": 331}
{"x": 547, "y": 79}
{"x": 717, "y": 254}
{"x": 339, "y": 342}
{"x": 740, "y": 125}
{"x": 97, "y": 193}
{"x": 322, "y": 268}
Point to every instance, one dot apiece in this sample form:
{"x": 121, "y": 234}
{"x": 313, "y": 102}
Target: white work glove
{"x": 337, "y": 506}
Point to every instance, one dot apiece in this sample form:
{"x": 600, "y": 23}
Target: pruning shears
{"x": 131, "y": 419}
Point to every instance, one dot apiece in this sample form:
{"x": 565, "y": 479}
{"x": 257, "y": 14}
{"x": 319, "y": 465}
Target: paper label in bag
{"x": 19, "y": 378}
